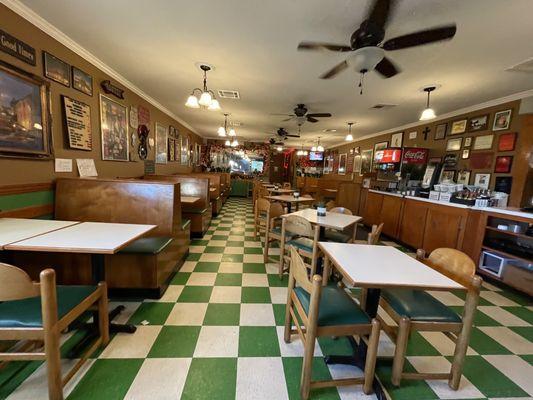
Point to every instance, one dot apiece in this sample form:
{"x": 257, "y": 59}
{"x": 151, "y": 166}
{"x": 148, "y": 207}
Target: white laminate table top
{"x": 15, "y": 229}
{"x": 374, "y": 266}
{"x": 281, "y": 190}
{"x": 331, "y": 220}
{"x": 85, "y": 237}
{"x": 189, "y": 199}
{"x": 290, "y": 198}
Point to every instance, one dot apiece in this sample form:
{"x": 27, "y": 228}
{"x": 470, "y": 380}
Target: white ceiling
{"x": 252, "y": 45}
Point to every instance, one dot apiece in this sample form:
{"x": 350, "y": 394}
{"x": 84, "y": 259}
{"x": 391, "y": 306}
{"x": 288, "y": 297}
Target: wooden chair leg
{"x": 371, "y": 356}
{"x": 103, "y": 315}
{"x": 399, "y": 352}
{"x": 282, "y": 250}
{"x": 362, "y": 298}
{"x": 265, "y": 252}
{"x": 307, "y": 365}
{"x": 288, "y": 319}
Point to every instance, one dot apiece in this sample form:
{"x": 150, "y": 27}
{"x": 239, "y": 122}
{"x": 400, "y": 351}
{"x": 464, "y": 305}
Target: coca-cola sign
{"x": 415, "y": 156}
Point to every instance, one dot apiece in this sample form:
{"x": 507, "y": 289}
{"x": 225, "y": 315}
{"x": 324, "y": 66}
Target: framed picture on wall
{"x": 25, "y": 118}
{"x": 185, "y": 150}
{"x": 482, "y": 180}
{"x": 483, "y": 142}
{"x": 357, "y": 163}
{"x": 366, "y": 161}
{"x": 56, "y": 69}
{"x": 342, "y": 164}
{"x": 458, "y": 127}
{"x": 83, "y": 82}
{"x": 467, "y": 142}
{"x": 447, "y": 175}
{"x": 114, "y": 130}
{"x": 440, "y": 131}
{"x": 479, "y": 123}
{"x": 396, "y": 139}
{"x": 465, "y": 154}
{"x": 463, "y": 177}
{"x": 503, "y": 164}
{"x": 161, "y": 142}
{"x": 506, "y": 141}
{"x": 502, "y": 120}
{"x": 380, "y": 146}
{"x": 454, "y": 144}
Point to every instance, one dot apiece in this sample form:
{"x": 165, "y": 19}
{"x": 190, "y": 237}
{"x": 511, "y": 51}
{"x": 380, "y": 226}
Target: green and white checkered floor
{"x": 217, "y": 334}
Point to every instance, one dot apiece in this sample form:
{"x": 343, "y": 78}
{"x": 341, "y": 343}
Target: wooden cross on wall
{"x": 425, "y": 132}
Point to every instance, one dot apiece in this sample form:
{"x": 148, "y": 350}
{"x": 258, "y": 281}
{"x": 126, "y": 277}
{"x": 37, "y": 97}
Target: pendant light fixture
{"x": 223, "y": 129}
{"x": 207, "y": 97}
{"x": 228, "y": 143}
{"x": 349, "y": 137}
{"x": 428, "y": 113}
{"x": 318, "y": 147}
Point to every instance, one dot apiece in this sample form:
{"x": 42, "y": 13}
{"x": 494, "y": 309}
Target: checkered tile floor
{"x": 217, "y": 334}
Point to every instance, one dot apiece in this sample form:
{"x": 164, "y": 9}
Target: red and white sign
{"x": 415, "y": 155}
{"x": 388, "y": 156}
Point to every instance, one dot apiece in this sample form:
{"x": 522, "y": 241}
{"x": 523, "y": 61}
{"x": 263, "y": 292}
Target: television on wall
{"x": 316, "y": 155}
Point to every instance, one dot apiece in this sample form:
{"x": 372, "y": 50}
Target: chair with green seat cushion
{"x": 304, "y": 244}
{"x": 148, "y": 245}
{"x": 39, "y": 313}
{"x": 344, "y": 236}
{"x": 272, "y": 227}
{"x": 325, "y": 311}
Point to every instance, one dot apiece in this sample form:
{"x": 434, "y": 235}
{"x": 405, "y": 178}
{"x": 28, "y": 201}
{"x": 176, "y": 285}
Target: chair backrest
{"x": 262, "y": 205}
{"x": 298, "y": 271}
{"x": 454, "y": 264}
{"x": 276, "y": 210}
{"x": 189, "y": 186}
{"x": 15, "y": 284}
{"x": 262, "y": 192}
{"x": 330, "y": 205}
{"x": 286, "y": 185}
{"x": 375, "y": 233}
{"x": 341, "y": 210}
{"x": 298, "y": 226}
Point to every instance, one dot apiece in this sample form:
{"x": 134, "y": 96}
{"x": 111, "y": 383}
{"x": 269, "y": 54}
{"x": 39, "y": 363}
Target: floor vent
{"x": 229, "y": 94}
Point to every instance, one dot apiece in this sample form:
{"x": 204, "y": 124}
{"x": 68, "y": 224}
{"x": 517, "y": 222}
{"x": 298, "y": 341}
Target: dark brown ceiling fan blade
{"x": 335, "y": 70}
{"x": 323, "y": 46}
{"x": 421, "y": 37}
{"x": 296, "y": 136}
{"x": 311, "y": 119}
{"x": 319, "y": 115}
{"x": 386, "y": 68}
{"x": 288, "y": 119}
{"x": 380, "y": 11}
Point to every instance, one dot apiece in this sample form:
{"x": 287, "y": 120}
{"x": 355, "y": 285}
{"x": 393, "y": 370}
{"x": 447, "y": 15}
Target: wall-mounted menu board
{"x": 78, "y": 122}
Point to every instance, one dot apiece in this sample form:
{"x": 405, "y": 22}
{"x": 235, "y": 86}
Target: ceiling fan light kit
{"x": 428, "y": 113}
{"x": 207, "y": 98}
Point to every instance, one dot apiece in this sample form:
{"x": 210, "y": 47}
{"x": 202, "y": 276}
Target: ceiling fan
{"x": 284, "y": 134}
{"x": 368, "y": 46}
{"x": 301, "y": 115}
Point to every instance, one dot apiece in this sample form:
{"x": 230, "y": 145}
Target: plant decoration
{"x": 250, "y": 149}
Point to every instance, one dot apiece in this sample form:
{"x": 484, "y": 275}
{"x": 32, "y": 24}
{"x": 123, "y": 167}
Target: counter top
{"x": 444, "y": 203}
{"x": 514, "y": 211}
{"x": 387, "y": 193}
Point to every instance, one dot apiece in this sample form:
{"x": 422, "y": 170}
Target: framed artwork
{"x": 454, "y": 144}
{"x": 503, "y": 164}
{"x": 83, "y": 82}
{"x": 463, "y": 177}
{"x": 467, "y": 142}
{"x": 357, "y": 150}
{"x": 435, "y": 160}
{"x": 440, "y": 131}
{"x": 114, "y": 130}
{"x": 380, "y": 146}
{"x": 161, "y": 141}
{"x": 482, "y": 180}
{"x": 342, "y": 164}
{"x": 357, "y": 164}
{"x": 396, "y": 139}
{"x": 502, "y": 120}
{"x": 56, "y": 69}
{"x": 450, "y": 160}
{"x": 458, "y": 127}
{"x": 447, "y": 175}
{"x": 466, "y": 154}
{"x": 503, "y": 184}
{"x": 481, "y": 160}
{"x": 366, "y": 161}
{"x": 171, "y": 149}
{"x": 483, "y": 142}
{"x": 412, "y": 135}
{"x": 78, "y": 122}
{"x": 478, "y": 123}
{"x": 199, "y": 153}
{"x": 507, "y": 141}
{"x": 25, "y": 118}
{"x": 185, "y": 150}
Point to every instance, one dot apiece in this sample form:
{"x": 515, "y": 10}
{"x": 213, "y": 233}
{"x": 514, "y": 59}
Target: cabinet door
{"x": 372, "y": 213}
{"x": 390, "y": 215}
{"x": 413, "y": 223}
{"x": 443, "y": 227}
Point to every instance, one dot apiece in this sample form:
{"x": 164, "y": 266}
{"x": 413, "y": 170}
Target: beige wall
{"x": 16, "y": 171}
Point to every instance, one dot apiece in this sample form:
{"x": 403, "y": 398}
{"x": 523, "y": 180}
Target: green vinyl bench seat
{"x": 26, "y": 313}
{"x": 335, "y": 308}
{"x": 337, "y": 236}
{"x": 418, "y": 305}
{"x": 149, "y": 245}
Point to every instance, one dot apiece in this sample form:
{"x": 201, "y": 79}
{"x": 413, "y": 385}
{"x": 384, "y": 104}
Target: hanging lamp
{"x": 428, "y": 112}
{"x": 207, "y": 97}
{"x": 349, "y": 137}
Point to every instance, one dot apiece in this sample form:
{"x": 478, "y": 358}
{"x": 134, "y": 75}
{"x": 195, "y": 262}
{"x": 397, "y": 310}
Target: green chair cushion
{"x": 150, "y": 245}
{"x": 337, "y": 236}
{"x": 304, "y": 244}
{"x": 418, "y": 305}
{"x": 26, "y": 313}
{"x": 335, "y": 308}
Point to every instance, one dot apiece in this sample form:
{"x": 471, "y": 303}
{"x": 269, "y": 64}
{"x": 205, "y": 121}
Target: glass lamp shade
{"x": 232, "y": 132}
{"x": 305, "y": 152}
{"x": 366, "y": 58}
{"x": 228, "y": 143}
{"x": 349, "y": 137}
{"x": 235, "y": 143}
{"x": 192, "y": 102}
{"x": 221, "y": 131}
{"x": 205, "y": 99}
{"x": 313, "y": 148}
{"x": 280, "y": 148}
{"x": 214, "y": 106}
{"x": 427, "y": 114}
{"x": 320, "y": 148}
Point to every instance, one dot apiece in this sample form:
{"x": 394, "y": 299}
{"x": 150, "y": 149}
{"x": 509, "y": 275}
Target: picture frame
{"x": 507, "y": 141}
{"x": 454, "y": 144}
{"x": 56, "y": 69}
{"x": 482, "y": 180}
{"x": 465, "y": 154}
{"x": 396, "y": 139}
{"x": 185, "y": 150}
{"x": 82, "y": 81}
{"x": 77, "y": 120}
{"x": 342, "y": 164}
{"x": 447, "y": 175}
{"x": 26, "y": 133}
{"x": 503, "y": 164}
{"x": 502, "y": 120}
{"x": 114, "y": 130}
{"x": 440, "y": 131}
{"x": 483, "y": 142}
{"x": 503, "y": 184}
{"x": 478, "y": 123}
{"x": 366, "y": 161}
{"x": 380, "y": 146}
{"x": 463, "y": 177}
{"x": 161, "y": 143}
{"x": 468, "y": 141}
{"x": 458, "y": 127}
{"x": 357, "y": 163}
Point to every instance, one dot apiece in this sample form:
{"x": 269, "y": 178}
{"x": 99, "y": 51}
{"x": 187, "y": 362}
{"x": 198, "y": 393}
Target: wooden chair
{"x": 344, "y": 236}
{"x": 326, "y": 311}
{"x": 416, "y": 310}
{"x": 298, "y": 232}
{"x": 260, "y": 215}
{"x": 273, "y": 227}
{"x": 36, "y": 313}
{"x": 286, "y": 185}
{"x": 375, "y": 234}
{"x": 330, "y": 205}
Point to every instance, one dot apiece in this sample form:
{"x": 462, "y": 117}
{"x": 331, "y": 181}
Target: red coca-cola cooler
{"x": 414, "y": 162}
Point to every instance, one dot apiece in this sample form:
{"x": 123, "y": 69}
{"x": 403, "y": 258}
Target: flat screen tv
{"x": 316, "y": 156}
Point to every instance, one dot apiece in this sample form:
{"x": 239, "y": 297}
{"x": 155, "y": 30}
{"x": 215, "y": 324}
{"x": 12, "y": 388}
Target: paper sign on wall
{"x": 86, "y": 167}
{"x": 63, "y": 165}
